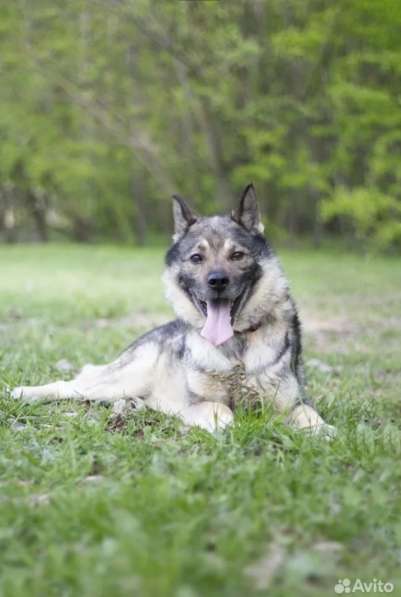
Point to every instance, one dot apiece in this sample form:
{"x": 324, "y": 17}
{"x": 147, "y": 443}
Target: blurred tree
{"x": 107, "y": 107}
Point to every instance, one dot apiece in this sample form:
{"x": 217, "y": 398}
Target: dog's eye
{"x": 237, "y": 256}
{"x": 196, "y": 258}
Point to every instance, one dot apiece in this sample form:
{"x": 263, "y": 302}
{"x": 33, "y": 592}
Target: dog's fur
{"x": 174, "y": 369}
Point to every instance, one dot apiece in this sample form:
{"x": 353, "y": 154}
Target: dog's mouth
{"x": 220, "y": 315}
{"x": 234, "y": 305}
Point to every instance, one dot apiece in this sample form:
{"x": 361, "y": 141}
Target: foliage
{"x": 376, "y": 217}
{"x": 106, "y": 108}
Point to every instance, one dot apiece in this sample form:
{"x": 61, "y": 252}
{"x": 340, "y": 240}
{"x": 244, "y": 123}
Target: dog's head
{"x": 215, "y": 266}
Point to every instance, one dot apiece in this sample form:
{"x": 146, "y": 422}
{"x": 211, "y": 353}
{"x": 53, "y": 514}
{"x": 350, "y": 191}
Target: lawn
{"x": 155, "y": 510}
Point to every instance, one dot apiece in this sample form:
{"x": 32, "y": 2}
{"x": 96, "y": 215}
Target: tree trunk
{"x": 7, "y": 219}
{"x": 81, "y": 229}
{"x": 37, "y": 206}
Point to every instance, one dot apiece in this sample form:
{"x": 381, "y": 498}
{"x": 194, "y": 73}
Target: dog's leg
{"x": 211, "y": 416}
{"x": 104, "y": 387}
{"x": 89, "y": 384}
{"x": 305, "y": 418}
{"x": 58, "y": 390}
{"x": 91, "y": 371}
{"x": 288, "y": 398}
{"x": 76, "y": 389}
{"x": 105, "y": 382}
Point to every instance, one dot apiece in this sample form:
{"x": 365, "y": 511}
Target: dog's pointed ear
{"x": 248, "y": 214}
{"x": 183, "y": 216}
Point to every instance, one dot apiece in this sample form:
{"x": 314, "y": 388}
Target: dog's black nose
{"x": 218, "y": 280}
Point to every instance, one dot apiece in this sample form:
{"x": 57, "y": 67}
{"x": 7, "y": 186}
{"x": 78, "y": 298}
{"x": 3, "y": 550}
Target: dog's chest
{"x": 231, "y": 387}
{"x": 218, "y": 375}
{"x": 237, "y": 372}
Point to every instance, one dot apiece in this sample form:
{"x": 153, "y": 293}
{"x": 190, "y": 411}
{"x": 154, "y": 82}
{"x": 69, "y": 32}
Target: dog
{"x": 237, "y": 334}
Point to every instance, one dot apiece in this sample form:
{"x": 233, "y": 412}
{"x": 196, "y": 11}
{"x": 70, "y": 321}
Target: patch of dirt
{"x": 330, "y": 333}
{"x": 137, "y": 319}
{"x": 263, "y": 571}
{"x": 322, "y": 366}
{"x": 315, "y": 324}
{"x": 42, "y": 499}
{"x": 93, "y": 479}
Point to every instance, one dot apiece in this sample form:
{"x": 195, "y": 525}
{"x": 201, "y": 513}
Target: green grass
{"x": 156, "y": 511}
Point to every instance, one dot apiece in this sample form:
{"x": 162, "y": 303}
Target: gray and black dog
{"x": 237, "y": 332}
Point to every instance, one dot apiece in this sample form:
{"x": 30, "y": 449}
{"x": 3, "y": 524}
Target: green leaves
{"x": 375, "y": 216}
{"x": 108, "y": 108}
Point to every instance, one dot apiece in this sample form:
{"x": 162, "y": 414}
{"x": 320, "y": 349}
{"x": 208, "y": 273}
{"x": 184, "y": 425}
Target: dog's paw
{"x": 324, "y": 431}
{"x": 211, "y": 416}
{"x": 17, "y": 393}
{"x": 23, "y": 393}
{"x": 221, "y": 417}
{"x": 328, "y": 431}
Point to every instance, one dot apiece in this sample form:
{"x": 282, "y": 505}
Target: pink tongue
{"x": 218, "y": 328}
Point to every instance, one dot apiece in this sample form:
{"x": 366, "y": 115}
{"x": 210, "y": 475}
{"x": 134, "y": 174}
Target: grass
{"x": 156, "y": 511}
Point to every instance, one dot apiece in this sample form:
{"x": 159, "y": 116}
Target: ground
{"x": 155, "y": 510}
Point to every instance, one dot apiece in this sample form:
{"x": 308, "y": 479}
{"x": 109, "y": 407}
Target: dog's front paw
{"x": 17, "y": 393}
{"x": 23, "y": 393}
{"x": 211, "y": 416}
{"x": 327, "y": 431}
{"x": 306, "y": 419}
{"x": 323, "y": 431}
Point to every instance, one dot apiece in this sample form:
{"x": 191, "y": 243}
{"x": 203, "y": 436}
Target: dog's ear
{"x": 248, "y": 214}
{"x": 183, "y": 216}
